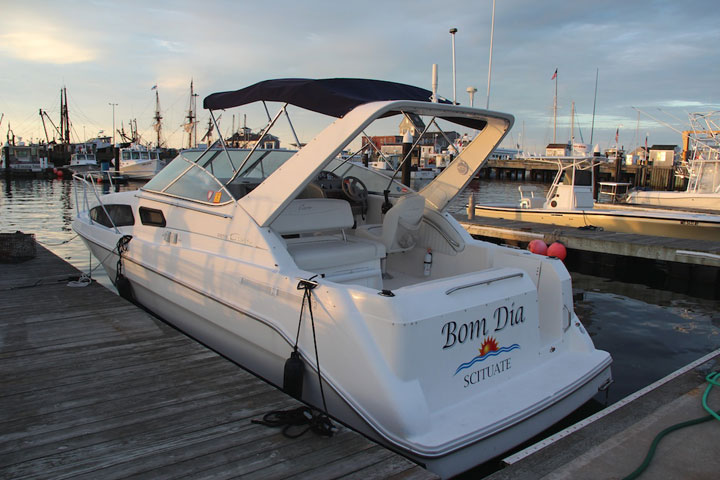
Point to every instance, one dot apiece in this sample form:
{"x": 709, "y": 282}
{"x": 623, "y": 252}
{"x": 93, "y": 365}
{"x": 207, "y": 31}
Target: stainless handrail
{"x": 86, "y": 204}
{"x": 484, "y": 282}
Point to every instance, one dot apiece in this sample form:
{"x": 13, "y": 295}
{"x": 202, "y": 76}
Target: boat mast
{"x": 157, "y": 117}
{"x": 64, "y": 120}
{"x": 572, "y": 128}
{"x": 555, "y": 75}
{"x": 592, "y": 128}
{"x": 191, "y": 125}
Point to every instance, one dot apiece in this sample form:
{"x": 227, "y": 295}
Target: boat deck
{"x": 94, "y": 387}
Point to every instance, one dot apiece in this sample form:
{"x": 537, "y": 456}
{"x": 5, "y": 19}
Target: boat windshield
{"x": 209, "y": 177}
{"x": 705, "y": 176}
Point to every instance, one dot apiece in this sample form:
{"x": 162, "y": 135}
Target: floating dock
{"x": 615, "y": 441}
{"x": 94, "y": 387}
{"x": 675, "y": 264}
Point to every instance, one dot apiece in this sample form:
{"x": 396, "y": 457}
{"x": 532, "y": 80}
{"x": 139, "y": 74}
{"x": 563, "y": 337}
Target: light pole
{"x": 471, "y": 91}
{"x": 492, "y": 33}
{"x": 453, "y": 31}
{"x": 113, "y": 108}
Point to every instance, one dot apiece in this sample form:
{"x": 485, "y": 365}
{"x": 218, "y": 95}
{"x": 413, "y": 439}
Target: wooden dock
{"x": 676, "y": 264}
{"x": 92, "y": 386}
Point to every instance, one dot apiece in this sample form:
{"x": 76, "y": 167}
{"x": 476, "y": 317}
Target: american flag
{"x": 554, "y": 75}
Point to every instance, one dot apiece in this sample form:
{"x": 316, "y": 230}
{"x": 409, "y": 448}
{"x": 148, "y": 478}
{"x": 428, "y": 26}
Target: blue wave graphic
{"x": 481, "y": 358}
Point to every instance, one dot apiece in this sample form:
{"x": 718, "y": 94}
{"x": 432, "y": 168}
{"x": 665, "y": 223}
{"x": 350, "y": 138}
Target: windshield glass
{"x": 206, "y": 176}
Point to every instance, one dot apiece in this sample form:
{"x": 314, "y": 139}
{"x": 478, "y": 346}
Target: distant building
{"x": 245, "y": 138}
{"x": 557, "y": 150}
{"x": 663, "y": 155}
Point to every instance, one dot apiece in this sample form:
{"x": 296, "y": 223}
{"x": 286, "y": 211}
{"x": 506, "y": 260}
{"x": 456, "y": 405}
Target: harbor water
{"x": 650, "y": 333}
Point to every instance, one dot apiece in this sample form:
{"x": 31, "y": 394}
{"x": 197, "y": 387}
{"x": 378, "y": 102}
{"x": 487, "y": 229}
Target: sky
{"x": 656, "y": 61}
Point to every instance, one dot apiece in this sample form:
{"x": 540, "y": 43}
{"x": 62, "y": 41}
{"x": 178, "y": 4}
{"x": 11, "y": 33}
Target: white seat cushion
{"x": 320, "y": 252}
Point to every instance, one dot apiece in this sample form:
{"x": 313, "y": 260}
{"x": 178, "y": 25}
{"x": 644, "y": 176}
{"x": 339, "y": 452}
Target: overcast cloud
{"x": 658, "y": 56}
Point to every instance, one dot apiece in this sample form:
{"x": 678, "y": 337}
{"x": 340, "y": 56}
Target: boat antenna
{"x": 592, "y": 128}
{"x": 453, "y": 31}
{"x": 434, "y": 83}
{"x": 492, "y": 32}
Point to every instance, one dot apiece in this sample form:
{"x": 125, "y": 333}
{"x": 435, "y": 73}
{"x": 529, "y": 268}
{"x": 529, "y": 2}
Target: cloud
{"x": 36, "y": 45}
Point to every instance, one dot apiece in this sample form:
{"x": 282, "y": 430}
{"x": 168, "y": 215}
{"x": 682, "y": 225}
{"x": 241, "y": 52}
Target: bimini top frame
{"x": 357, "y": 103}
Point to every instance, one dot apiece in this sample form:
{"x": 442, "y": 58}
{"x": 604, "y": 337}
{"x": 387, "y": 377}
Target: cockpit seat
{"x": 314, "y": 233}
{"x": 399, "y": 230}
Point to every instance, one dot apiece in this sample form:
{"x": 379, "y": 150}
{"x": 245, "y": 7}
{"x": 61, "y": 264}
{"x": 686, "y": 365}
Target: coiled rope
{"x": 316, "y": 421}
{"x": 713, "y": 380}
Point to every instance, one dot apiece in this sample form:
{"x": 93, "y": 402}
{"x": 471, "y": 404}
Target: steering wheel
{"x": 354, "y": 189}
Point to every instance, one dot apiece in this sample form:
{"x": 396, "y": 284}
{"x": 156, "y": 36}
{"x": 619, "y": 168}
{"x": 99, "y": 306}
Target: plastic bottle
{"x": 427, "y": 263}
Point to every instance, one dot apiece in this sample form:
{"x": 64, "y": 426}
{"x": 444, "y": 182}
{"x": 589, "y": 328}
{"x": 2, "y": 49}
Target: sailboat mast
{"x": 555, "y": 109}
{"x": 592, "y": 128}
{"x": 191, "y": 126}
{"x": 572, "y": 128}
{"x": 158, "y": 117}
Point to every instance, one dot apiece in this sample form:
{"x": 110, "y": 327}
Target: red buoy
{"x": 558, "y": 250}
{"x": 538, "y": 246}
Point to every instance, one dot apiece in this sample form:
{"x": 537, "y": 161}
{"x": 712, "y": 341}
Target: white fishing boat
{"x": 83, "y": 161}
{"x": 444, "y": 348}
{"x": 702, "y": 192}
{"x": 137, "y": 162}
{"x": 569, "y": 202}
{"x": 701, "y": 144}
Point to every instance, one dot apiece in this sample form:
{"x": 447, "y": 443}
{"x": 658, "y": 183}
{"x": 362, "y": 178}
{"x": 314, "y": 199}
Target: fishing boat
{"x": 83, "y": 161}
{"x": 18, "y": 158}
{"x": 702, "y": 192}
{"x": 351, "y": 291}
{"x": 700, "y": 164}
{"x": 138, "y": 162}
{"x": 570, "y": 202}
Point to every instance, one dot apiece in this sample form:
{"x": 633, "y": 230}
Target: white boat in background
{"x": 83, "y": 161}
{"x": 570, "y": 203}
{"x": 702, "y": 142}
{"x": 447, "y": 349}
{"x": 702, "y": 192}
{"x": 137, "y": 162}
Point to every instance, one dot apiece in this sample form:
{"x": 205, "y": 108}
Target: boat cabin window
{"x": 120, "y": 215}
{"x": 151, "y": 216}
{"x": 144, "y": 155}
{"x": 135, "y": 155}
{"x": 582, "y": 178}
{"x": 125, "y": 155}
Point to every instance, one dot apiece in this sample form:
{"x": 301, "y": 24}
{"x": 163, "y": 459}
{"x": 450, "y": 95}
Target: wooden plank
{"x": 93, "y": 387}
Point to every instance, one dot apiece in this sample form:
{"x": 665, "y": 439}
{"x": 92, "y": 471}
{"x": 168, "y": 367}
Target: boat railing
{"x": 87, "y": 181}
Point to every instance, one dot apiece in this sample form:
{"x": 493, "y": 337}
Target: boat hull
{"x": 690, "y": 226}
{"x": 263, "y": 349}
{"x": 702, "y": 201}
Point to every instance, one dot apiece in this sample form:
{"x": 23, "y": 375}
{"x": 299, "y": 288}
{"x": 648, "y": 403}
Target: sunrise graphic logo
{"x": 488, "y": 348}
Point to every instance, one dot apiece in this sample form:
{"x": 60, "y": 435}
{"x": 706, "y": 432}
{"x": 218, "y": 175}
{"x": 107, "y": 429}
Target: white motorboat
{"x": 444, "y": 348}
{"x": 569, "y": 202}
{"x": 702, "y": 144}
{"x": 83, "y": 161}
{"x": 137, "y": 162}
{"x": 702, "y": 192}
